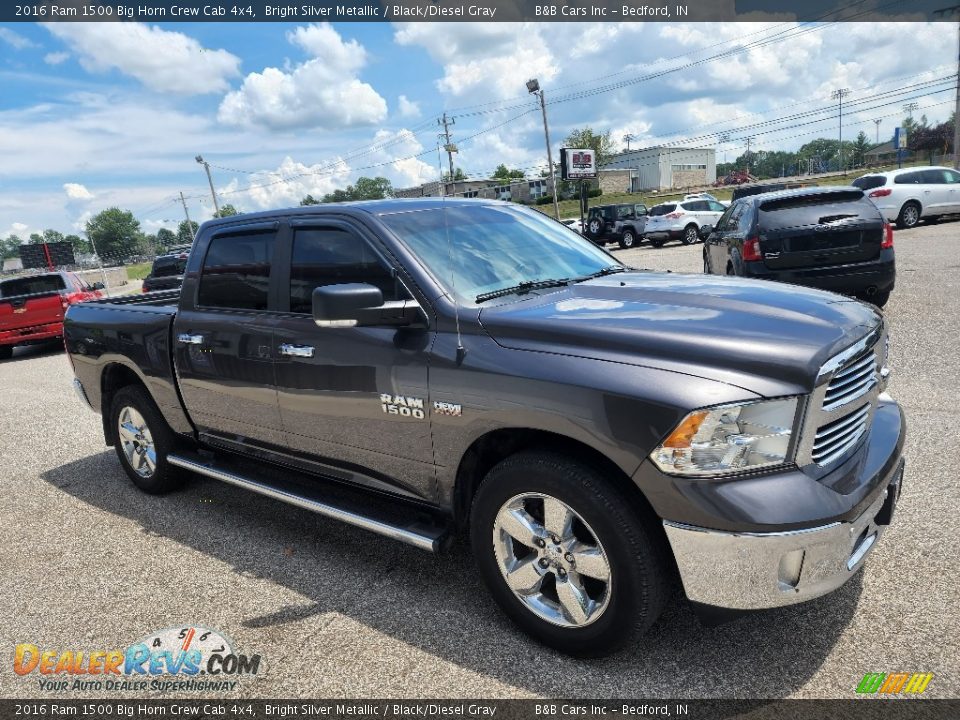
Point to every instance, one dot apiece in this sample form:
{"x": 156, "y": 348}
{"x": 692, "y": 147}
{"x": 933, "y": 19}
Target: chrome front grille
{"x": 834, "y": 439}
{"x": 851, "y": 381}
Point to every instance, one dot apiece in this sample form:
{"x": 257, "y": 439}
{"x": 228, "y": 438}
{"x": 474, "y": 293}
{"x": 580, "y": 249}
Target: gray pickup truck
{"x": 426, "y": 368}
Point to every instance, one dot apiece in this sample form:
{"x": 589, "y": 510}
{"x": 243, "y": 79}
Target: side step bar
{"x": 419, "y": 535}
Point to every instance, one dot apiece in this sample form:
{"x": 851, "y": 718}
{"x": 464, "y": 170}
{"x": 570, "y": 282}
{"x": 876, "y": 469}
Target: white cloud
{"x": 76, "y": 191}
{"x": 162, "y": 60}
{"x": 55, "y": 58}
{"x": 15, "y": 40}
{"x": 408, "y": 108}
{"x": 287, "y": 185}
{"x": 323, "y": 92}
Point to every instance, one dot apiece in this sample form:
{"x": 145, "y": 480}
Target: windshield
{"x": 494, "y": 247}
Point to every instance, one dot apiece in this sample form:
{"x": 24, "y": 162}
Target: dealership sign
{"x": 578, "y": 164}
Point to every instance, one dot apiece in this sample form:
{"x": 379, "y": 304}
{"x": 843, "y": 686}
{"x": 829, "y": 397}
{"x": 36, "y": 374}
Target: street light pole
{"x": 840, "y": 94}
{"x": 206, "y": 166}
{"x": 533, "y": 87}
{"x": 877, "y": 123}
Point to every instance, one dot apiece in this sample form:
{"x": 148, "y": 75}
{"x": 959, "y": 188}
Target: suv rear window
{"x": 31, "y": 285}
{"x": 870, "y": 182}
{"x": 815, "y": 209}
{"x": 658, "y": 210}
{"x": 608, "y": 212}
{"x": 169, "y": 266}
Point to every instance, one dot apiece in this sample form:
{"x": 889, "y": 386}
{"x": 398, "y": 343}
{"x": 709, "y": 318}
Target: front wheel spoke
{"x": 525, "y": 578}
{"x": 519, "y": 525}
{"x": 150, "y": 458}
{"x": 573, "y": 599}
{"x": 128, "y": 430}
{"x": 590, "y": 561}
{"x": 557, "y": 517}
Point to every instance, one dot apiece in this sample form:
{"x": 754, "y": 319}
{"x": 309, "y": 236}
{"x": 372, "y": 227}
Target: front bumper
{"x": 756, "y": 570}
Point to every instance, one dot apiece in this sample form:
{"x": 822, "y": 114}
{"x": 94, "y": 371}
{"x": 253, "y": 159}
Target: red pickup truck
{"x": 32, "y": 307}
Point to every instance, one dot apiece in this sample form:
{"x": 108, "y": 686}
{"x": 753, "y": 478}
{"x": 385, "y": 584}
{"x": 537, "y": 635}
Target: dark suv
{"x": 167, "y": 271}
{"x": 829, "y": 238}
{"x": 622, "y": 224}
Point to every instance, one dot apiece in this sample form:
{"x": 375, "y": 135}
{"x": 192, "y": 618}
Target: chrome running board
{"x": 421, "y": 535}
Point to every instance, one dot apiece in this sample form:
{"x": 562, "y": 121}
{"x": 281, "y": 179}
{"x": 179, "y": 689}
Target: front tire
{"x": 627, "y": 240}
{"x": 909, "y": 216}
{"x": 566, "y": 555}
{"x": 6, "y": 352}
{"x": 142, "y": 440}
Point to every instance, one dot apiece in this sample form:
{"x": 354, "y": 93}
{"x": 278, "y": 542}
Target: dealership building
{"x": 659, "y": 168}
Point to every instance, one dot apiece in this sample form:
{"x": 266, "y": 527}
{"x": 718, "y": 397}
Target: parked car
{"x": 742, "y": 191}
{"x": 167, "y": 270}
{"x": 426, "y": 366}
{"x": 681, "y": 220}
{"x": 832, "y": 238}
{"x": 703, "y": 196}
{"x": 909, "y": 195}
{"x": 32, "y": 307}
{"x": 622, "y": 224}
{"x": 574, "y": 224}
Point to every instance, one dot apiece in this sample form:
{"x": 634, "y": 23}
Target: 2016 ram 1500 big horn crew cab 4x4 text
{"x": 418, "y": 366}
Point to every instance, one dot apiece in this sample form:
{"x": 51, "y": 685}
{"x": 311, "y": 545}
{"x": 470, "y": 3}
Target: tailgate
{"x": 804, "y": 233}
{"x": 28, "y": 310}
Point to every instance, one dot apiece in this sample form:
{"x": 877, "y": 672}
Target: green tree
{"x": 78, "y": 244}
{"x": 309, "y": 200}
{"x": 166, "y": 238}
{"x": 36, "y": 238}
{"x": 365, "y": 189}
{"x": 10, "y": 246}
{"x": 600, "y": 143}
{"x": 458, "y": 175}
{"x": 186, "y": 232}
{"x": 226, "y": 211}
{"x": 115, "y": 233}
{"x": 504, "y": 173}
{"x": 860, "y": 147}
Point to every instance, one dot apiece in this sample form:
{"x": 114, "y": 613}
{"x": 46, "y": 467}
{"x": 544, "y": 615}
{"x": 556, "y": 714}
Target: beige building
{"x": 659, "y": 168}
{"x": 525, "y": 190}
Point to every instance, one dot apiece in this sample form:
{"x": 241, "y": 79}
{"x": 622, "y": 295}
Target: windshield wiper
{"x": 609, "y": 270}
{"x": 521, "y": 288}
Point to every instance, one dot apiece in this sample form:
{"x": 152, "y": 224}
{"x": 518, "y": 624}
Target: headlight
{"x": 729, "y": 439}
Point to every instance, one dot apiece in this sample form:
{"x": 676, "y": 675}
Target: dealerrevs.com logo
{"x": 894, "y": 683}
{"x": 172, "y": 660}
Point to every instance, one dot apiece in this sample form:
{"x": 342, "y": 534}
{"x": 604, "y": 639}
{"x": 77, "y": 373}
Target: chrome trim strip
{"x": 82, "y": 394}
{"x": 411, "y": 537}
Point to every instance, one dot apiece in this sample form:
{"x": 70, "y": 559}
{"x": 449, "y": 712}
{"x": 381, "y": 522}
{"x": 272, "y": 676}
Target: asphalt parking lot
{"x": 91, "y": 563}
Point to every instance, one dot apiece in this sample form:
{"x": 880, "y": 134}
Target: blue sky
{"x": 99, "y": 115}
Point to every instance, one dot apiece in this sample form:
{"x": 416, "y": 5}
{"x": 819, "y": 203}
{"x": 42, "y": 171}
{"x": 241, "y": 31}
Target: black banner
{"x": 626, "y": 11}
{"x": 298, "y": 709}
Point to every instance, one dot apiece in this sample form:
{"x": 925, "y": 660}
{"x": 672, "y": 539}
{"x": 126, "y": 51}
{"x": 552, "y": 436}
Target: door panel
{"x": 357, "y": 396}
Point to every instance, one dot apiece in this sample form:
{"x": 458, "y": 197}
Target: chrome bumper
{"x": 753, "y": 571}
{"x": 82, "y": 394}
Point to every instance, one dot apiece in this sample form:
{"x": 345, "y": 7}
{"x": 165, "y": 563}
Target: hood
{"x": 766, "y": 337}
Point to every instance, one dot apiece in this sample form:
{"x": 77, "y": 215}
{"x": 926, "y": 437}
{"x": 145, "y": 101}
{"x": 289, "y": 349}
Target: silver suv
{"x": 908, "y": 195}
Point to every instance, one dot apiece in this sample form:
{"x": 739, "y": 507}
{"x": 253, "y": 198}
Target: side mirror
{"x": 361, "y": 304}
{"x": 705, "y": 230}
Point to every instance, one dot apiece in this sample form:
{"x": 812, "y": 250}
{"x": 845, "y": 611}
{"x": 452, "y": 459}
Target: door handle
{"x": 188, "y": 339}
{"x": 305, "y": 351}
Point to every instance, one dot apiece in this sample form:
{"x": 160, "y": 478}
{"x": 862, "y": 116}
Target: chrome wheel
{"x": 911, "y": 215}
{"x": 690, "y": 235}
{"x": 628, "y": 239}
{"x": 552, "y": 560}
{"x": 137, "y": 442}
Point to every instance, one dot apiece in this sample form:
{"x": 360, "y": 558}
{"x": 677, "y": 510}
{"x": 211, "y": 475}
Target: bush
{"x": 545, "y": 200}
{"x": 594, "y": 192}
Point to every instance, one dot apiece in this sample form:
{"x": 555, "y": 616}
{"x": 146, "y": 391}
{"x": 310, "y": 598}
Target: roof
{"x": 819, "y": 190}
{"x": 371, "y": 207}
{"x": 903, "y": 171}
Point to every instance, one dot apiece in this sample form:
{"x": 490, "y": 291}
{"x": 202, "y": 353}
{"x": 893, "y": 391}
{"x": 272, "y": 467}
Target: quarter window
{"x": 331, "y": 256}
{"x": 910, "y": 178}
{"x": 236, "y": 271}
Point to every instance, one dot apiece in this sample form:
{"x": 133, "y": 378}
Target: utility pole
{"x": 187, "y": 213}
{"x": 627, "y": 138}
{"x": 877, "y": 123}
{"x": 206, "y": 166}
{"x": 840, "y": 94}
{"x": 448, "y": 146}
{"x": 533, "y": 87}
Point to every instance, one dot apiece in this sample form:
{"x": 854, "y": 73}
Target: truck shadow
{"x": 438, "y": 604}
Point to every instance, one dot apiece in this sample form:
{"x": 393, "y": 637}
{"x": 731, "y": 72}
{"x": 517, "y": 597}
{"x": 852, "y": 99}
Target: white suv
{"x": 909, "y": 194}
{"x": 681, "y": 220}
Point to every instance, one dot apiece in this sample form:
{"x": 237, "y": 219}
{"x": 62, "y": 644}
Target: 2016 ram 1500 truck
{"x": 415, "y": 367}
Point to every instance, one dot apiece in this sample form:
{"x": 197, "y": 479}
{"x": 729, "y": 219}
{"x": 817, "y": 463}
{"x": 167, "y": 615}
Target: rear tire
{"x": 6, "y": 352}
{"x": 628, "y": 240}
{"x": 605, "y": 580}
{"x": 143, "y": 440}
{"x": 657, "y": 243}
{"x": 879, "y": 298}
{"x": 909, "y": 216}
{"x": 691, "y": 234}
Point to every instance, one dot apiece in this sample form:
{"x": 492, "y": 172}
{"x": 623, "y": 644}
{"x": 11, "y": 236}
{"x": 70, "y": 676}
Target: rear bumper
{"x": 33, "y": 334}
{"x": 757, "y": 570}
{"x": 858, "y": 277}
{"x": 671, "y": 234}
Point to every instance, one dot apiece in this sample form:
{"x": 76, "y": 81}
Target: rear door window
{"x": 665, "y": 209}
{"x": 910, "y": 178}
{"x": 236, "y": 271}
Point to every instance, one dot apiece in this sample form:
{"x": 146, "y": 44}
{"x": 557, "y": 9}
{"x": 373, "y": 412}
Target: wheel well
{"x": 498, "y": 445}
{"x": 115, "y": 376}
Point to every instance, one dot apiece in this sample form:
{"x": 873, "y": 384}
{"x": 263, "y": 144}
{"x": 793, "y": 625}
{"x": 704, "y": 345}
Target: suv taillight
{"x": 880, "y": 192}
{"x": 751, "y": 249}
{"x": 887, "y": 236}
{"x": 674, "y": 215}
